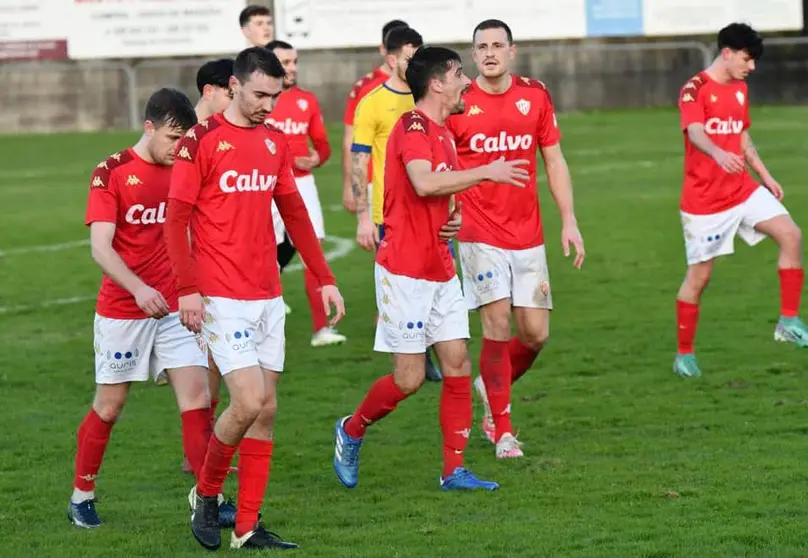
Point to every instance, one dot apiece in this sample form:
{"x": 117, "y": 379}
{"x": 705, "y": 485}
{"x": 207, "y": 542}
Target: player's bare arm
{"x": 443, "y": 183}
{"x": 756, "y": 164}
{"x": 348, "y": 201}
{"x": 367, "y": 235}
{"x": 560, "y": 184}
{"x": 730, "y": 162}
{"x": 148, "y": 299}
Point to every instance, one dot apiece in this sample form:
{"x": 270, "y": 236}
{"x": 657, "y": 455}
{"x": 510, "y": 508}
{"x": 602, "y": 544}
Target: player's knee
{"x": 535, "y": 339}
{"x": 246, "y": 409}
{"x": 497, "y": 323}
{"x": 698, "y": 277}
{"x": 457, "y": 365}
{"x": 791, "y": 236}
{"x": 108, "y": 410}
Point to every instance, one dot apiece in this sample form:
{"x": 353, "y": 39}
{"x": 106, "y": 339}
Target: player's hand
{"x": 348, "y": 200}
{"x": 730, "y": 162}
{"x": 509, "y": 172}
{"x": 309, "y": 162}
{"x": 332, "y": 297}
{"x": 151, "y": 302}
{"x": 451, "y": 227}
{"x": 192, "y": 312}
{"x": 774, "y": 187}
{"x": 570, "y": 235}
{"x": 367, "y": 234}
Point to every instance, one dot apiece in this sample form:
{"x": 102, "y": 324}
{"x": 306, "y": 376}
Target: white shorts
{"x": 133, "y": 350}
{"x": 414, "y": 314}
{"x": 244, "y": 333}
{"x": 491, "y": 274}
{"x": 710, "y": 236}
{"x": 308, "y": 191}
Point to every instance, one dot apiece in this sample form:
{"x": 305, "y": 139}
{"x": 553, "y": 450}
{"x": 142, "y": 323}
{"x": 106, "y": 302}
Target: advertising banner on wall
{"x": 153, "y": 28}
{"x": 32, "y": 29}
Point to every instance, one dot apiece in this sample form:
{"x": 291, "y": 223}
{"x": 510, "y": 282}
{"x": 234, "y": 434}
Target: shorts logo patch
{"x": 239, "y": 340}
{"x": 122, "y": 360}
{"x": 412, "y": 330}
{"x": 486, "y": 281}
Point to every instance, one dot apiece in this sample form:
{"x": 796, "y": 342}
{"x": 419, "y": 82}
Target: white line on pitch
{"x": 44, "y": 248}
{"x": 341, "y": 248}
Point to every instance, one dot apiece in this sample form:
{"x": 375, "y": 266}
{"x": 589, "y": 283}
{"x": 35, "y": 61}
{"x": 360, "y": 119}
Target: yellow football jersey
{"x": 375, "y": 117}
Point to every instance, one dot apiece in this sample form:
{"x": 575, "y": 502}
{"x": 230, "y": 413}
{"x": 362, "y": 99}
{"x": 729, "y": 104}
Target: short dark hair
{"x": 493, "y": 24}
{"x": 283, "y": 45}
{"x": 257, "y": 59}
{"x": 398, "y": 37}
{"x": 250, "y": 12}
{"x": 429, "y": 63}
{"x": 215, "y": 72}
{"x": 170, "y": 107}
{"x": 740, "y": 36}
{"x": 390, "y": 25}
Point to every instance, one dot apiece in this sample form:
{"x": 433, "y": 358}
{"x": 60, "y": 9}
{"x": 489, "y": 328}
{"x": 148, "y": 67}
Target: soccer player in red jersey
{"x": 418, "y": 294}
{"x": 229, "y": 169}
{"x": 720, "y": 199}
{"x": 365, "y": 85}
{"x": 501, "y": 244}
{"x": 297, "y": 114}
{"x": 137, "y": 332}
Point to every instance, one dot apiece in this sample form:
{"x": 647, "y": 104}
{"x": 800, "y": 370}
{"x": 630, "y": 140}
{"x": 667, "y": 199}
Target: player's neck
{"x": 718, "y": 73}
{"x": 141, "y": 148}
{"x": 386, "y": 69}
{"x": 434, "y": 110}
{"x": 495, "y": 86}
{"x": 202, "y": 111}
{"x": 396, "y": 84}
{"x": 234, "y": 117}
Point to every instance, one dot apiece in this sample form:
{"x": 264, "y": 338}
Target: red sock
{"x": 196, "y": 433}
{"x": 215, "y": 467}
{"x": 92, "y": 437}
{"x": 522, "y": 358}
{"x": 687, "y": 318}
{"x": 495, "y": 369}
{"x": 254, "y": 461}
{"x": 384, "y": 395}
{"x": 214, "y": 402}
{"x": 318, "y": 318}
{"x": 455, "y": 420}
{"x": 790, "y": 291}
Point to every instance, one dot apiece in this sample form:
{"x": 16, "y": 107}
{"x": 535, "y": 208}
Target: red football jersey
{"x": 411, "y": 246}
{"x": 365, "y": 85}
{"x": 723, "y": 109}
{"x": 230, "y": 175}
{"x": 132, "y": 194}
{"x": 297, "y": 114}
{"x": 513, "y": 124}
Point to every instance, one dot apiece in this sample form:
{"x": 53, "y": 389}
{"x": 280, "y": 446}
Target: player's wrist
{"x": 187, "y": 291}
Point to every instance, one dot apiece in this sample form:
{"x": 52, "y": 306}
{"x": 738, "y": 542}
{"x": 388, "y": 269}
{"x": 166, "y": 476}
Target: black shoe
{"x": 205, "y": 522}
{"x": 260, "y": 538}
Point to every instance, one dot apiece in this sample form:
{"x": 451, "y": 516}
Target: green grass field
{"x": 622, "y": 458}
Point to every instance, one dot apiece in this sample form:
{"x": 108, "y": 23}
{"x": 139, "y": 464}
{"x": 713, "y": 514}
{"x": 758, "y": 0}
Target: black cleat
{"x": 260, "y": 538}
{"x": 205, "y": 522}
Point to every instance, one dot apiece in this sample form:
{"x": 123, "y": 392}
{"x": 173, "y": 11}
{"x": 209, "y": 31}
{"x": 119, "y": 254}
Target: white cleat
{"x": 327, "y": 336}
{"x": 509, "y": 447}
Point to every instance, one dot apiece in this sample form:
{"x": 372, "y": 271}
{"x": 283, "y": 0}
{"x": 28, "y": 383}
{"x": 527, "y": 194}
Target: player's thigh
{"x": 409, "y": 371}
{"x": 404, "y": 305}
{"x": 532, "y": 325}
{"x": 486, "y": 274}
{"x": 764, "y": 215}
{"x": 710, "y": 236}
{"x": 109, "y": 400}
{"x": 247, "y": 391}
{"x": 271, "y": 379}
{"x": 177, "y": 348}
{"x": 123, "y": 349}
{"x": 308, "y": 191}
{"x": 453, "y": 357}
{"x": 229, "y": 330}
{"x": 448, "y": 318}
{"x": 531, "y": 278}
{"x": 270, "y": 338}
{"x": 495, "y": 318}
{"x": 190, "y": 385}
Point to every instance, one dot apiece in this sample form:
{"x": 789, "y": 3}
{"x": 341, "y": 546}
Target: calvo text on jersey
{"x": 716, "y": 126}
{"x": 139, "y": 214}
{"x": 480, "y": 143}
{"x": 232, "y": 181}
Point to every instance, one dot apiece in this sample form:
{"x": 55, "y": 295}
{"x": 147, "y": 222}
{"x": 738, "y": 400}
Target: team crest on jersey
{"x": 303, "y": 104}
{"x": 523, "y": 106}
{"x": 475, "y": 110}
{"x": 133, "y": 180}
{"x": 271, "y": 146}
{"x": 740, "y": 97}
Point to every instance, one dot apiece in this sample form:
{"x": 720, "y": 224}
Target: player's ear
{"x": 149, "y": 128}
{"x": 512, "y": 51}
{"x": 391, "y": 60}
{"x": 234, "y": 84}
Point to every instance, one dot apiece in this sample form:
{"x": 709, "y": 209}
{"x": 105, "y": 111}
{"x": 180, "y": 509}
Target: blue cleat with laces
{"x": 463, "y": 479}
{"x": 346, "y": 455}
{"x": 83, "y": 514}
{"x": 791, "y": 330}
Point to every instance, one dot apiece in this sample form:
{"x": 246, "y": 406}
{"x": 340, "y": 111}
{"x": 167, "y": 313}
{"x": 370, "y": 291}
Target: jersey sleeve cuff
{"x": 360, "y": 148}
